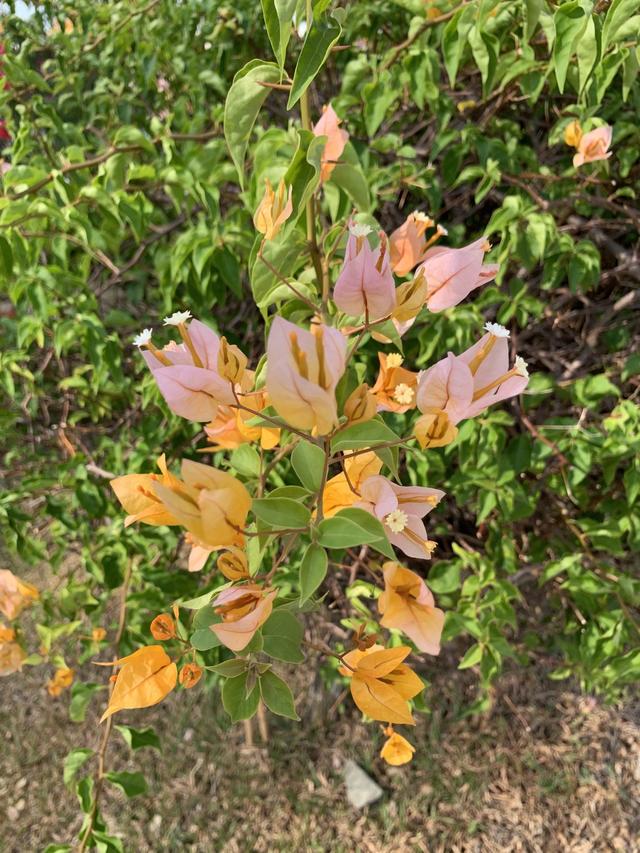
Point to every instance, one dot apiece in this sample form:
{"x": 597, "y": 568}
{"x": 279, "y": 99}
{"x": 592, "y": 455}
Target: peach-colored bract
{"x": 15, "y": 594}
{"x": 274, "y": 210}
{"x": 187, "y": 373}
{"x": 329, "y": 125}
{"x": 395, "y": 388}
{"x": 593, "y": 146}
{"x": 303, "y": 369}
{"x": 243, "y": 609}
{"x": 452, "y": 274}
{"x": 365, "y": 284}
{"x": 407, "y": 244}
{"x": 407, "y": 604}
{"x": 401, "y": 510}
{"x": 462, "y": 386}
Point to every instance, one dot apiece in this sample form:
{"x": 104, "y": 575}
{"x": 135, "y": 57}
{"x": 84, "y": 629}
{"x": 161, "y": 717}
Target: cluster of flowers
{"x": 205, "y": 379}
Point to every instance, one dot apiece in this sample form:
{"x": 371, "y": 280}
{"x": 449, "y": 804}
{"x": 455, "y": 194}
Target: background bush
{"x": 122, "y": 204}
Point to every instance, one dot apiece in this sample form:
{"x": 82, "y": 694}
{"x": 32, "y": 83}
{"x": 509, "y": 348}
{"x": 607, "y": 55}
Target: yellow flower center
{"x": 394, "y": 360}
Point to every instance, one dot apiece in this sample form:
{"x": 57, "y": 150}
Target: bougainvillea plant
{"x": 309, "y": 399}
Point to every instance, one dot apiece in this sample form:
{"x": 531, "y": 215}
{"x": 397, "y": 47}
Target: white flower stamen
{"x": 396, "y": 521}
{"x": 520, "y": 367}
{"x": 359, "y": 230}
{"x": 143, "y": 338}
{"x": 178, "y": 318}
{"x": 496, "y": 330}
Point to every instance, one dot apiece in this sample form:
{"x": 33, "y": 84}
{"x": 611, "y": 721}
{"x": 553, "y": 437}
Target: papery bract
{"x": 135, "y": 493}
{"x": 408, "y": 605}
{"x": 365, "y": 284}
{"x": 396, "y": 750}
{"x": 211, "y": 504}
{"x": 343, "y": 490}
{"x": 407, "y": 244}
{"x": 230, "y": 429}
{"x": 187, "y": 373}
{"x": 395, "y": 387}
{"x": 401, "y": 509}
{"x": 303, "y": 369}
{"x": 15, "y": 594}
{"x": 12, "y": 656}
{"x": 381, "y": 684}
{"x": 452, "y": 274}
{"x": 329, "y": 125}
{"x": 243, "y": 609}
{"x": 146, "y": 677}
{"x": 593, "y": 146}
{"x": 190, "y": 675}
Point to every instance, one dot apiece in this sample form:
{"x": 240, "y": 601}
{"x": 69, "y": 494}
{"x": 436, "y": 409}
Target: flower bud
{"x": 234, "y": 565}
{"x": 274, "y": 210}
{"x": 361, "y": 405}
{"x": 231, "y": 361}
{"x": 163, "y": 627}
{"x": 190, "y": 675}
{"x": 434, "y": 429}
{"x": 573, "y": 133}
{"x": 410, "y": 297}
{"x": 98, "y": 634}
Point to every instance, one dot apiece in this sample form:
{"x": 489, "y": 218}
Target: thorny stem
{"x": 104, "y": 741}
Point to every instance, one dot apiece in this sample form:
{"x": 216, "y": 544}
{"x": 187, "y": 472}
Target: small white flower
{"x": 520, "y": 367}
{"x": 496, "y": 330}
{"x": 403, "y": 394}
{"x": 442, "y": 230}
{"x": 359, "y": 230}
{"x": 394, "y": 359}
{"x": 419, "y": 216}
{"x": 178, "y": 318}
{"x": 143, "y": 338}
{"x": 301, "y": 29}
{"x": 396, "y": 521}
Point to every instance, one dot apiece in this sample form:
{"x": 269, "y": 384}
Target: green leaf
{"x": 570, "y": 21}
{"x": 303, "y": 174}
{"x": 313, "y": 570}
{"x": 321, "y": 37}
{"x": 73, "y": 762}
{"x": 348, "y": 175}
{"x": 278, "y": 16}
{"x": 371, "y": 525}
{"x": 284, "y": 257}
{"x": 230, "y": 668}
{"x": 359, "y": 436}
{"x": 281, "y": 512}
{"x": 308, "y": 463}
{"x": 472, "y": 657}
{"x": 246, "y": 460}
{"x": 131, "y": 784}
{"x": 81, "y": 694}
{"x": 341, "y": 532}
{"x": 137, "y": 738}
{"x": 454, "y": 39}
{"x": 204, "y": 639}
{"x": 235, "y": 700}
{"x": 244, "y": 101}
{"x": 618, "y": 13}
{"x": 282, "y": 636}
{"x": 277, "y": 695}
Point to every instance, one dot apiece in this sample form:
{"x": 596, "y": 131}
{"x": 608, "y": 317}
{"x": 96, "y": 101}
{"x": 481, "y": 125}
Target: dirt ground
{"x": 547, "y": 770}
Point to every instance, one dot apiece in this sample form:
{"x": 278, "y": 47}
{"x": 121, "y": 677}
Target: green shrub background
{"x": 122, "y": 204}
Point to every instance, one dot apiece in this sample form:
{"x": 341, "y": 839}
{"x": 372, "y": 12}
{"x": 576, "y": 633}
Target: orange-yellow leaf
{"x": 146, "y": 677}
